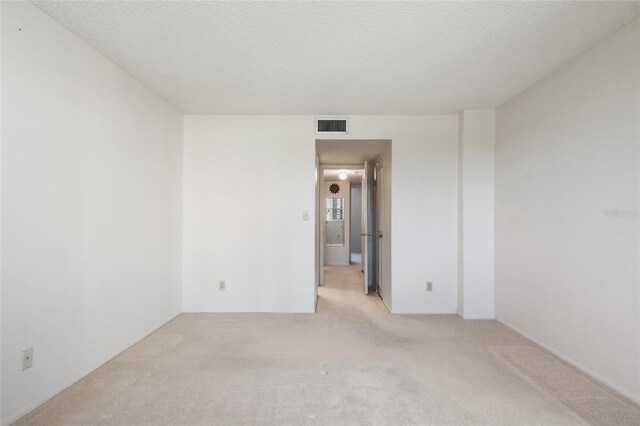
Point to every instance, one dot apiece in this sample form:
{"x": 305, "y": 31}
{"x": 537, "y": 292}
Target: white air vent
{"x": 332, "y": 126}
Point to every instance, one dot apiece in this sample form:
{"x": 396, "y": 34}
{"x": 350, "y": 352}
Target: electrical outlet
{"x": 27, "y": 358}
{"x": 429, "y": 286}
{"x": 222, "y": 285}
{"x": 305, "y": 215}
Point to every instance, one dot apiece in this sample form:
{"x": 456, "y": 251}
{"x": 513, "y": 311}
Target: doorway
{"x": 353, "y": 212}
{"x": 341, "y": 196}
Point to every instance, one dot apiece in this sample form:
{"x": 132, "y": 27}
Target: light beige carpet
{"x": 351, "y": 363}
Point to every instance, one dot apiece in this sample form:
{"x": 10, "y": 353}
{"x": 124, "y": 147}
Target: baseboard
{"x": 14, "y": 417}
{"x": 568, "y": 360}
{"x": 477, "y": 317}
{"x": 425, "y": 312}
{"x": 284, "y": 311}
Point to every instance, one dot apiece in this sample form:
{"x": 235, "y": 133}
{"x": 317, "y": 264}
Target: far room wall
{"x": 261, "y": 246}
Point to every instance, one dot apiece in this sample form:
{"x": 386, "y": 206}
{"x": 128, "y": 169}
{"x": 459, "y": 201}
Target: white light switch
{"x": 305, "y": 215}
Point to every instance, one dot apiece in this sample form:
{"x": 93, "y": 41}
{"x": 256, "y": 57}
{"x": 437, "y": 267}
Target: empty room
{"x": 320, "y": 213}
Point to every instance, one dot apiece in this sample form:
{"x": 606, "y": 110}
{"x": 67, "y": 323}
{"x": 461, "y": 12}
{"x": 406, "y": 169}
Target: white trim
{"x": 320, "y": 214}
{"x": 453, "y": 312}
{"x": 270, "y": 311}
{"x": 587, "y": 371}
{"x": 476, "y": 317}
{"x": 17, "y": 415}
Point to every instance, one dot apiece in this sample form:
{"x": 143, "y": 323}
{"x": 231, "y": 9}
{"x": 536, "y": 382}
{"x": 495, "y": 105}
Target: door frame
{"x": 379, "y": 231}
{"x": 368, "y": 229}
{"x": 385, "y": 152}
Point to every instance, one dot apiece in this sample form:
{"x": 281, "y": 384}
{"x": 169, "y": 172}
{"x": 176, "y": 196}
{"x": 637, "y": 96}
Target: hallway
{"x": 351, "y": 363}
{"x": 343, "y": 293}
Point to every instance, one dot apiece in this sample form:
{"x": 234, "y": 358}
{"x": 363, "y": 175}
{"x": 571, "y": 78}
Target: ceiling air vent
{"x": 332, "y": 126}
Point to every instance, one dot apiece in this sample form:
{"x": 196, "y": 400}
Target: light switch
{"x": 305, "y": 215}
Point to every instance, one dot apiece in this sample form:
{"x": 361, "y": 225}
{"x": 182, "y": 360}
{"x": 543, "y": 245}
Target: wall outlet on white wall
{"x": 305, "y": 215}
{"x": 27, "y": 358}
{"x": 429, "y": 286}
{"x": 222, "y": 285}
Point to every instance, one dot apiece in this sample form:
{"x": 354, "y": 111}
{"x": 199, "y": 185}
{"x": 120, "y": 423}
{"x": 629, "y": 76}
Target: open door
{"x": 379, "y": 219}
{"x": 319, "y": 228}
{"x": 366, "y": 230}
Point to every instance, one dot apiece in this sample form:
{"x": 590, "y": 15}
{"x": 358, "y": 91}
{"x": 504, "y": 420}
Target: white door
{"x": 319, "y": 226}
{"x": 366, "y": 230}
{"x": 380, "y": 225}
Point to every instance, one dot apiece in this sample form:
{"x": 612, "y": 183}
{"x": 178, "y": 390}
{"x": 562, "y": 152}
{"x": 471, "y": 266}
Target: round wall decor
{"x": 334, "y": 188}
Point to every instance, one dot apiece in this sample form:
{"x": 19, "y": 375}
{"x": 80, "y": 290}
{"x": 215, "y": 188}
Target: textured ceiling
{"x": 339, "y": 57}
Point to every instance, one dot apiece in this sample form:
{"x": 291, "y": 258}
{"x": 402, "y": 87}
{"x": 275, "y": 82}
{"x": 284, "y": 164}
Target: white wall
{"x": 476, "y": 214}
{"x": 246, "y": 185}
{"x": 268, "y": 162}
{"x": 567, "y": 264}
{"x": 91, "y": 216}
